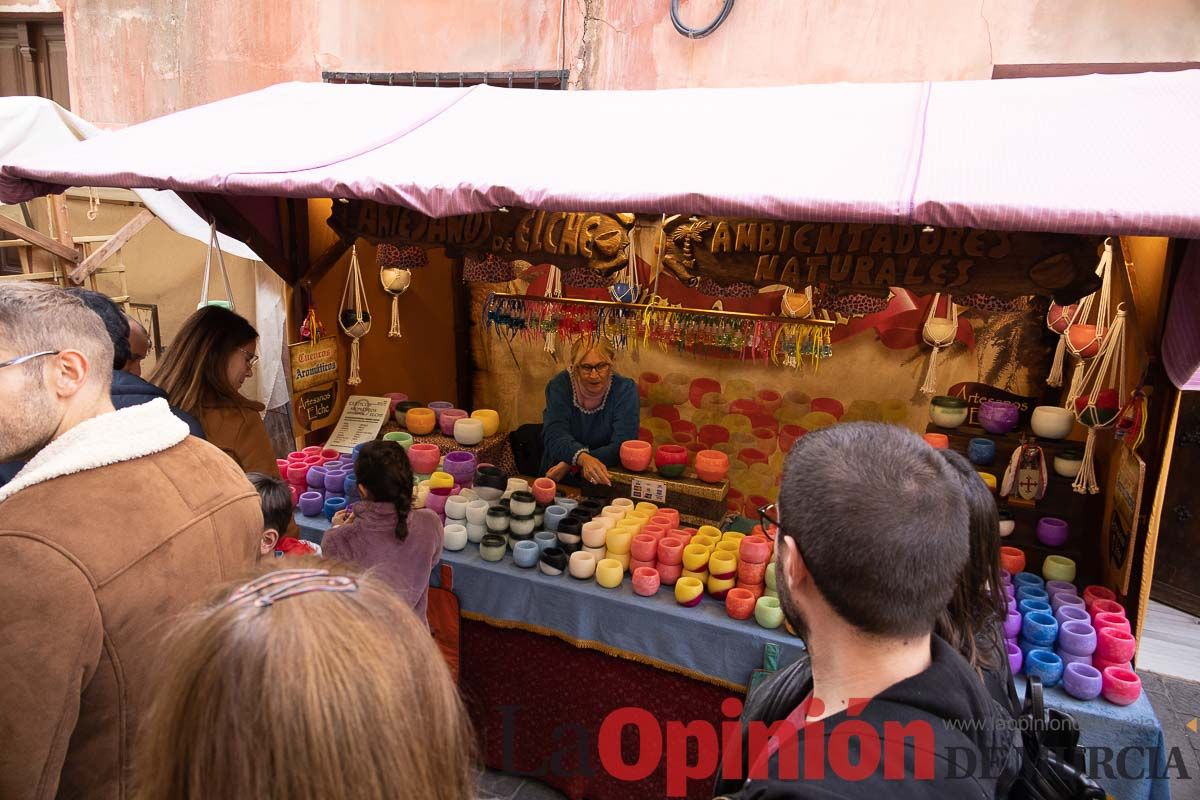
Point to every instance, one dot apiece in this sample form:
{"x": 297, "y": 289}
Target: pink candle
{"x": 645, "y": 581}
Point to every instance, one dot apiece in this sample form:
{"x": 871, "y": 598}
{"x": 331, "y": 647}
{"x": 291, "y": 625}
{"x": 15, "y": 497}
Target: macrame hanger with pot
{"x": 355, "y": 320}
{"x": 1107, "y": 369}
{"x": 939, "y": 333}
{"x": 1085, "y": 341}
{"x": 214, "y": 244}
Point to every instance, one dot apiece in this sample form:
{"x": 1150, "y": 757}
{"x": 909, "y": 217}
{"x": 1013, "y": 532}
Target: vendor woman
{"x": 590, "y": 411}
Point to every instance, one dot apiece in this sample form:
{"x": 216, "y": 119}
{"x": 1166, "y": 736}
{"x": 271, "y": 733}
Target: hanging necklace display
{"x": 215, "y": 245}
{"x": 1099, "y": 400}
{"x": 395, "y": 274}
{"x": 938, "y": 333}
{"x": 625, "y": 287}
{"x": 355, "y": 319}
{"x": 553, "y": 290}
{"x": 1085, "y": 340}
{"x": 1058, "y": 319}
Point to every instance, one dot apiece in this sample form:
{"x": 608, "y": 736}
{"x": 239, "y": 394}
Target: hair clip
{"x": 285, "y": 583}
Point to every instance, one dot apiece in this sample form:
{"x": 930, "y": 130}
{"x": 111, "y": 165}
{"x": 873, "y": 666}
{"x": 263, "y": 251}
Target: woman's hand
{"x": 343, "y": 517}
{"x": 558, "y": 471}
{"x": 594, "y": 470}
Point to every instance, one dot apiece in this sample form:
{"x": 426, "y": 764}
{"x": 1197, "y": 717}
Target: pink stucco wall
{"x": 135, "y": 59}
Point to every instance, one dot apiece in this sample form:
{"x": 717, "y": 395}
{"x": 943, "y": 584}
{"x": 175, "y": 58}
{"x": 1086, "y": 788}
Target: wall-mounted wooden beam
{"x": 106, "y": 251}
{"x": 39, "y": 239}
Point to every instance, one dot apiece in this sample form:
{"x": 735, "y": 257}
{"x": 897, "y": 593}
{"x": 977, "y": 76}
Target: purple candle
{"x": 1052, "y": 531}
{"x": 311, "y": 503}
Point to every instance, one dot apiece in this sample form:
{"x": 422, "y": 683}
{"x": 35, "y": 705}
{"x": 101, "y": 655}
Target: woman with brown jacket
{"x": 202, "y": 373}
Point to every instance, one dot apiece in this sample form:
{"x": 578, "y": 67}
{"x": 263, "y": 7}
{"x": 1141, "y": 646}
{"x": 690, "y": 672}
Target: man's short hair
{"x": 881, "y": 523}
{"x": 276, "y": 499}
{"x": 115, "y": 322}
{"x": 42, "y": 316}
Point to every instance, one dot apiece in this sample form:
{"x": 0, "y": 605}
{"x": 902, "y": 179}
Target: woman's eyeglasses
{"x": 595, "y": 369}
{"x": 251, "y": 358}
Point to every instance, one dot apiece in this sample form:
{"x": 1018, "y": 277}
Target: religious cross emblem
{"x": 1026, "y": 474}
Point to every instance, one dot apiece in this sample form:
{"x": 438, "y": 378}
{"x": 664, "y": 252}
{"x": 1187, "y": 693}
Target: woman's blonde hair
{"x": 194, "y": 371}
{"x": 317, "y": 695}
{"x": 586, "y": 344}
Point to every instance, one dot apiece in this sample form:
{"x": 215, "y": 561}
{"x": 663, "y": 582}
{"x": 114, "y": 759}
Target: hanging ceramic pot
{"x": 355, "y": 317}
{"x": 1059, "y": 318}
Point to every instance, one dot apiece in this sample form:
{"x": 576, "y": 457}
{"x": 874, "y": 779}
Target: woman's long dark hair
{"x": 194, "y": 370}
{"x": 972, "y": 622}
{"x": 383, "y": 469}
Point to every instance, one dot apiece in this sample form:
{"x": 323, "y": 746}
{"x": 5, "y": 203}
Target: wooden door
{"x": 1176, "y": 566}
{"x": 33, "y": 58}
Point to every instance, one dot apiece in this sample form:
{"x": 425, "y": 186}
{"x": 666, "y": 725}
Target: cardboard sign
{"x": 313, "y": 363}
{"x": 313, "y": 408}
{"x": 1124, "y": 514}
{"x": 360, "y": 422}
{"x": 648, "y": 490}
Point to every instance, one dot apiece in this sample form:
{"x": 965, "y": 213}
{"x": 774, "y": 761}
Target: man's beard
{"x": 27, "y": 425}
{"x": 791, "y": 611}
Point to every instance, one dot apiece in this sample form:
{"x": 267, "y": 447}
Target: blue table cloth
{"x": 703, "y": 642}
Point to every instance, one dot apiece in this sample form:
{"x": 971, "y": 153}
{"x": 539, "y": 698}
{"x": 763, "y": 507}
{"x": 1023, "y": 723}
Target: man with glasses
{"x": 871, "y": 535}
{"x": 118, "y": 521}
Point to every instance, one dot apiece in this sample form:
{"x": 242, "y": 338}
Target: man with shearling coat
{"x": 118, "y": 522}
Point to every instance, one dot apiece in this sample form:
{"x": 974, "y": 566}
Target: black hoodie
{"x": 970, "y": 729}
{"x": 130, "y": 390}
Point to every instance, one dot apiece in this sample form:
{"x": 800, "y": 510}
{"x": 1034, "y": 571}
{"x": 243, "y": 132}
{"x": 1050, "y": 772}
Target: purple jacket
{"x": 370, "y": 542}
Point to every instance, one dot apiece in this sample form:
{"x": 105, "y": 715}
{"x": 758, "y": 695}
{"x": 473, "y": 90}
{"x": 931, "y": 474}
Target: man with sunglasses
{"x": 118, "y": 520}
{"x": 871, "y": 535}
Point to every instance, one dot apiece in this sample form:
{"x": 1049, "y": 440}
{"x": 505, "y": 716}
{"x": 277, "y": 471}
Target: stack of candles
{"x": 320, "y": 480}
{"x": 1083, "y": 642}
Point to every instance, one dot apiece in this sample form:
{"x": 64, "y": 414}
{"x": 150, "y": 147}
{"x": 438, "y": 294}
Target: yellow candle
{"x": 700, "y": 575}
{"x": 709, "y": 530}
{"x": 617, "y": 541}
{"x": 722, "y": 563}
{"x": 719, "y": 586}
{"x": 705, "y": 541}
{"x": 688, "y": 591}
{"x": 732, "y": 536}
{"x": 649, "y": 508}
{"x": 441, "y": 480}
{"x": 695, "y": 557}
{"x": 609, "y": 573}
{"x": 620, "y": 558}
{"x": 725, "y": 546}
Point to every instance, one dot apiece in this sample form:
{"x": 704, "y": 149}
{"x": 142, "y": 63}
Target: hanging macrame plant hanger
{"x": 215, "y": 245}
{"x": 1085, "y": 340}
{"x": 1106, "y": 370}
{"x": 939, "y": 333}
{"x": 354, "y": 317}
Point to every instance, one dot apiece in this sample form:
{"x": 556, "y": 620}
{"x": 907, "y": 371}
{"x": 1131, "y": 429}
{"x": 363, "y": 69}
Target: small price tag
{"x": 650, "y": 491}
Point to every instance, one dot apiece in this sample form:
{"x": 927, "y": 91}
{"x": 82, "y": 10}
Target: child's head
{"x": 276, "y": 499}
{"x": 385, "y": 476}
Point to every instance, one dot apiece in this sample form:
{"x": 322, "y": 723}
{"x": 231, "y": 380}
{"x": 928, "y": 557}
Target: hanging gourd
{"x": 355, "y": 317}
{"x": 939, "y": 333}
{"x": 395, "y": 273}
{"x": 1058, "y": 319}
{"x": 1098, "y": 405}
{"x": 1086, "y": 339}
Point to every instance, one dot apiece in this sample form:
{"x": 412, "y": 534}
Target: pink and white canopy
{"x": 1101, "y": 154}
{"x": 1097, "y": 154}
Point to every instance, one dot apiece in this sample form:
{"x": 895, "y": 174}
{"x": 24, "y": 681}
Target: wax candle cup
{"x": 739, "y": 603}
{"x": 688, "y": 591}
{"x": 1046, "y": 665}
{"x": 1109, "y": 620}
{"x": 1121, "y": 686}
{"x": 526, "y": 554}
{"x": 668, "y": 574}
{"x": 618, "y": 541}
{"x": 609, "y": 573}
{"x": 695, "y": 557}
{"x": 1114, "y": 644}
{"x": 582, "y": 565}
{"x": 1082, "y": 681}
{"x": 768, "y": 613}
{"x": 1012, "y": 559}
{"x": 645, "y": 581}
{"x": 1077, "y": 637}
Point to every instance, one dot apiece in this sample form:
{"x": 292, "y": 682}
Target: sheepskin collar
{"x": 111, "y": 438}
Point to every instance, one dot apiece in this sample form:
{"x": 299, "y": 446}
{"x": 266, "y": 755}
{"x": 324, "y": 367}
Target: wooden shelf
{"x": 1081, "y": 512}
